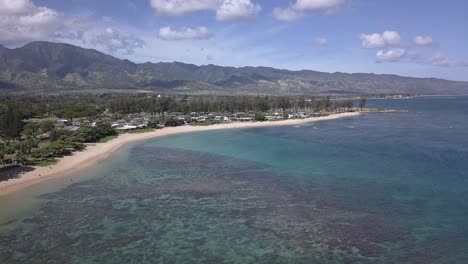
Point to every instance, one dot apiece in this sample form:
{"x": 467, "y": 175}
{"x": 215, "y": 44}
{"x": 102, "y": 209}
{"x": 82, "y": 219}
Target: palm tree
{"x": 3, "y": 151}
{"x": 362, "y": 103}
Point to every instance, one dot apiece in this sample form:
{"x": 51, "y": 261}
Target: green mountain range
{"x": 54, "y": 67}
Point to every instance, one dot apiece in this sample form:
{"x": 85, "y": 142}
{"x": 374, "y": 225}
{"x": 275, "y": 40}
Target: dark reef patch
{"x": 178, "y": 206}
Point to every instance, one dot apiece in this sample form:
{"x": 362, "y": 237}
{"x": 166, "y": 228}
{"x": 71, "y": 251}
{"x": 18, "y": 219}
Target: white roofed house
{"x": 71, "y": 128}
{"x": 245, "y": 119}
{"x": 126, "y": 128}
{"x": 96, "y": 123}
{"x": 62, "y": 122}
{"x": 183, "y": 117}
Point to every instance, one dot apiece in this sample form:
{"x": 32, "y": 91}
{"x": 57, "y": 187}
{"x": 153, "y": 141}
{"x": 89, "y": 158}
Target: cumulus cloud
{"x": 401, "y": 54}
{"x": 321, "y": 41}
{"x": 14, "y": 6}
{"x": 391, "y": 49}
{"x": 390, "y": 55}
{"x": 181, "y": 7}
{"x": 71, "y": 29}
{"x": 376, "y": 40}
{"x": 22, "y": 21}
{"x": 317, "y": 5}
{"x": 226, "y": 10}
{"x": 231, "y": 10}
{"x": 167, "y": 33}
{"x": 113, "y": 40}
{"x": 423, "y": 40}
{"x": 300, "y": 7}
{"x": 286, "y": 14}
{"x": 443, "y": 60}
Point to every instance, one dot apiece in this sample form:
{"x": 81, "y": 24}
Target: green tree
{"x": 22, "y": 148}
{"x": 104, "y": 130}
{"x": 362, "y": 103}
{"x": 259, "y": 116}
{"x": 47, "y": 126}
{"x": 3, "y": 152}
{"x": 301, "y": 103}
{"x": 11, "y": 122}
{"x": 153, "y": 122}
{"x": 57, "y": 149}
{"x": 30, "y": 129}
{"x": 57, "y": 134}
{"x": 262, "y": 104}
{"x": 349, "y": 104}
{"x": 30, "y": 143}
{"x": 172, "y": 122}
{"x": 86, "y": 134}
{"x": 284, "y": 103}
{"x": 92, "y": 134}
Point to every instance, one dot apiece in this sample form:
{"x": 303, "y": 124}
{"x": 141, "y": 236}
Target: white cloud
{"x": 392, "y": 41}
{"x": 167, "y": 33}
{"x": 21, "y": 21}
{"x": 71, "y": 29}
{"x": 390, "y": 55}
{"x": 423, "y": 40}
{"x": 226, "y": 10}
{"x": 300, "y": 7}
{"x": 321, "y": 41}
{"x": 181, "y": 7}
{"x": 399, "y": 54}
{"x": 286, "y": 14}
{"x": 220, "y": 49}
{"x": 113, "y": 40}
{"x": 9, "y": 7}
{"x": 232, "y": 10}
{"x": 317, "y": 5}
{"x": 443, "y": 60}
{"x": 376, "y": 40}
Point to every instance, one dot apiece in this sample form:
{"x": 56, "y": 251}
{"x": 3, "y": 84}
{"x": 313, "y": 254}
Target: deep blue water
{"x": 377, "y": 188}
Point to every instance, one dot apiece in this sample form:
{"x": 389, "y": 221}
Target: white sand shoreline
{"x": 95, "y": 153}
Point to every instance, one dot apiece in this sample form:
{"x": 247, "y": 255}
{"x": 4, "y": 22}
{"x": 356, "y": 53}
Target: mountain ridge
{"x": 63, "y": 67}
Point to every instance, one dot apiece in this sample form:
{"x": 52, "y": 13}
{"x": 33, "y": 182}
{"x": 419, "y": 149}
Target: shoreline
{"x": 97, "y": 152}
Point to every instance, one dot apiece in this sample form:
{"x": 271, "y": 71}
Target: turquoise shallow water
{"x": 379, "y": 188}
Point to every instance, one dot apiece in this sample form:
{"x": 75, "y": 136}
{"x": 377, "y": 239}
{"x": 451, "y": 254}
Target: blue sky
{"x": 420, "y": 38}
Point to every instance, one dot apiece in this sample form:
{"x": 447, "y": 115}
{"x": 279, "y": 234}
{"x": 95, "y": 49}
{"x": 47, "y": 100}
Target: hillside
{"x": 56, "y": 67}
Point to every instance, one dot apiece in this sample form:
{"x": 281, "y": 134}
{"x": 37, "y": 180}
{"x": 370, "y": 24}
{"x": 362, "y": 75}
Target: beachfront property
{"x": 62, "y": 122}
{"x": 71, "y": 128}
{"x": 142, "y": 120}
{"x": 273, "y": 117}
{"x": 133, "y": 122}
{"x": 126, "y": 128}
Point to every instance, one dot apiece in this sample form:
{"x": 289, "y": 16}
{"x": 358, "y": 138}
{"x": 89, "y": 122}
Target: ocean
{"x": 376, "y": 188}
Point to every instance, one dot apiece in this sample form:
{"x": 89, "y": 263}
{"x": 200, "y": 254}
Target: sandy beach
{"x": 95, "y": 153}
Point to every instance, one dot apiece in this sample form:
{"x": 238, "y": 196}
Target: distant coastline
{"x": 95, "y": 153}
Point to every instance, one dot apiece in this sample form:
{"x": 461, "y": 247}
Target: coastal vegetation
{"x": 37, "y": 130}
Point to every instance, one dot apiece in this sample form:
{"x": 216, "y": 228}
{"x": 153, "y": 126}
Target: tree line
{"x": 23, "y": 120}
{"x": 92, "y": 106}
